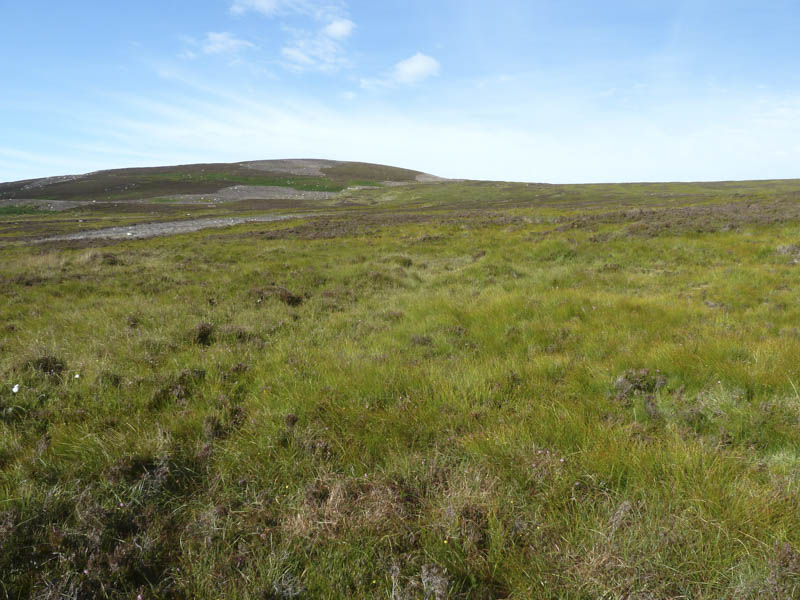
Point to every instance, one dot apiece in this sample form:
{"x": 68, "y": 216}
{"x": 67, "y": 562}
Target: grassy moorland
{"x": 453, "y": 390}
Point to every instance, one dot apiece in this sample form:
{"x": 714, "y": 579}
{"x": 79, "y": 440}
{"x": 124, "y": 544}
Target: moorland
{"x": 404, "y": 387}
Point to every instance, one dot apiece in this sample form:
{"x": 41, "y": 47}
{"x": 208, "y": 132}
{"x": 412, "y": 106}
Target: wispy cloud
{"x": 297, "y": 57}
{"x": 224, "y": 42}
{"x": 320, "y": 51}
{"x": 339, "y": 29}
{"x": 266, "y": 7}
{"x": 412, "y": 70}
{"x": 215, "y": 43}
{"x": 315, "y": 8}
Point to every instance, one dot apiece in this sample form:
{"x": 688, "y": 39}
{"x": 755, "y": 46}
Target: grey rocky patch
{"x": 310, "y": 167}
{"x": 355, "y": 188}
{"x": 45, "y": 181}
{"x": 54, "y": 205}
{"x": 252, "y": 192}
{"x": 792, "y": 251}
{"x": 392, "y": 184}
{"x": 287, "y": 586}
{"x": 148, "y": 230}
{"x": 435, "y": 583}
{"x": 432, "y": 583}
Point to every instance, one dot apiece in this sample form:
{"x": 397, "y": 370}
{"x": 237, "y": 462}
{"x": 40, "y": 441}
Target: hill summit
{"x": 262, "y": 179}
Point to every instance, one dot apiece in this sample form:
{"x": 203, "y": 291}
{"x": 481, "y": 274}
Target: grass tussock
{"x": 466, "y": 390}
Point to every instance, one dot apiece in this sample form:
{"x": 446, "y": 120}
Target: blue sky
{"x": 555, "y": 91}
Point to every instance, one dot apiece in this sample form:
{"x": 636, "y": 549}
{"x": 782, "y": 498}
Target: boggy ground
{"x": 450, "y": 391}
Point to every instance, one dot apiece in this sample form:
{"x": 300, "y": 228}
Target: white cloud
{"x": 223, "y": 43}
{"x": 320, "y": 51}
{"x": 267, "y": 7}
{"x": 315, "y": 8}
{"x": 339, "y": 29}
{"x": 415, "y": 69}
{"x": 315, "y": 52}
{"x": 296, "y": 56}
{"x": 407, "y": 72}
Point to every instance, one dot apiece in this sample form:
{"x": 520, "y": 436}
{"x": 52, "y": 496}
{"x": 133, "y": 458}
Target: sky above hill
{"x": 526, "y": 90}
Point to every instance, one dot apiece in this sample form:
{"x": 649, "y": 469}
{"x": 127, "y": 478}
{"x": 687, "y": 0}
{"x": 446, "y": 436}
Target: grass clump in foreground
{"x": 516, "y": 401}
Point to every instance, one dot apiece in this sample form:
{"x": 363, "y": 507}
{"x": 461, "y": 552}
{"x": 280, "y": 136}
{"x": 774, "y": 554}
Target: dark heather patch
{"x": 281, "y": 293}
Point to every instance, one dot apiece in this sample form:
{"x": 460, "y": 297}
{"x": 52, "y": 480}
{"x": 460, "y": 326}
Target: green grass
{"x": 440, "y": 392}
{"x": 20, "y": 210}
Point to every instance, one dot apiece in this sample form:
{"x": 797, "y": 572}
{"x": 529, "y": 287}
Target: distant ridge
{"x": 303, "y": 175}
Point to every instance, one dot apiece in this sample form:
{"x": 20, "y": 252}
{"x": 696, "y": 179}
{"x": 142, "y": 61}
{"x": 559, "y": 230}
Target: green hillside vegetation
{"x": 19, "y": 210}
{"x": 128, "y": 184}
{"x": 463, "y": 390}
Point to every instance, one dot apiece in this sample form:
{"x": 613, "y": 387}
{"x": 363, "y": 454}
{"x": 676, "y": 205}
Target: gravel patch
{"x": 148, "y": 230}
{"x": 54, "y": 205}
{"x": 252, "y": 192}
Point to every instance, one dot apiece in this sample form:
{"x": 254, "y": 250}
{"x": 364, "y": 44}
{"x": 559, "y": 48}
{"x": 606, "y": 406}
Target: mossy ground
{"x": 450, "y": 391}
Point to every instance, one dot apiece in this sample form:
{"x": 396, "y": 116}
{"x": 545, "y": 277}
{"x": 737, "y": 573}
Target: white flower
{"x": 77, "y": 375}
{"x": 15, "y": 389}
